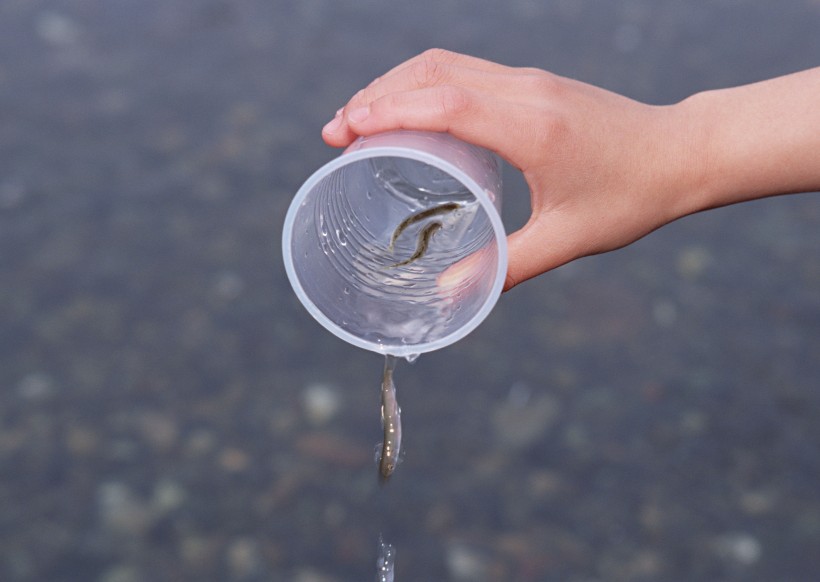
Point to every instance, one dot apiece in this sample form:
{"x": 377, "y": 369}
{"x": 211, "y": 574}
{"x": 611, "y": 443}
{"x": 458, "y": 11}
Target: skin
{"x": 419, "y": 216}
{"x": 603, "y": 170}
{"x": 424, "y": 241}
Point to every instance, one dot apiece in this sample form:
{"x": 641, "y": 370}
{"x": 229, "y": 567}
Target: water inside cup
{"x": 346, "y": 272}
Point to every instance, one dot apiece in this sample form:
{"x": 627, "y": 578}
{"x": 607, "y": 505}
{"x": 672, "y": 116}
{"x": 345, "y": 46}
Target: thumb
{"x": 539, "y": 246}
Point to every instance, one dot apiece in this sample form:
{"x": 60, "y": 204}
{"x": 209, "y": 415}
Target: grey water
{"x": 170, "y": 412}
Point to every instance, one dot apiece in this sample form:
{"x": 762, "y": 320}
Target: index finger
{"x": 429, "y": 69}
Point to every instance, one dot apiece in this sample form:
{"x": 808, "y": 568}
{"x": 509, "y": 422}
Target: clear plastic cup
{"x": 338, "y": 231}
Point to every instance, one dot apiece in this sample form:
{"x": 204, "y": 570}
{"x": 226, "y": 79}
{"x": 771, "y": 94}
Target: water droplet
{"x": 412, "y": 357}
{"x": 347, "y": 290}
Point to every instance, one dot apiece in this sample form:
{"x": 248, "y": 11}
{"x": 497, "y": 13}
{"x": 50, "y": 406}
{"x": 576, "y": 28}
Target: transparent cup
{"x": 352, "y": 266}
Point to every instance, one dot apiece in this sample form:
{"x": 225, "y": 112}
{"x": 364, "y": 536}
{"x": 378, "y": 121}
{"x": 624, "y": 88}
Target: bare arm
{"x": 603, "y": 170}
{"x": 760, "y": 140}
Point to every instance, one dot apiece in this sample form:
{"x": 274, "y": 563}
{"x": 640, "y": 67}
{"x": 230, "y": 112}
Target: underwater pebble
{"x": 200, "y": 442}
{"x": 757, "y": 502}
{"x": 12, "y": 194}
{"x": 82, "y": 441}
{"x": 742, "y": 548}
{"x": 228, "y": 286}
{"x": 466, "y": 563}
{"x": 244, "y": 558}
{"x": 664, "y": 313}
{"x": 522, "y": 419}
{"x": 36, "y": 386}
{"x": 334, "y": 449}
{"x": 120, "y": 511}
{"x": 159, "y": 430}
{"x": 121, "y": 573}
{"x": 310, "y": 575}
{"x": 56, "y": 29}
{"x": 233, "y": 460}
{"x": 321, "y": 403}
{"x": 693, "y": 261}
{"x": 168, "y": 495}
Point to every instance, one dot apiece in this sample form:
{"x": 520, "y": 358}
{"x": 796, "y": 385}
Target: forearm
{"x": 756, "y": 140}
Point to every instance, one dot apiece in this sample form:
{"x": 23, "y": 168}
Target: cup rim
{"x": 410, "y": 350}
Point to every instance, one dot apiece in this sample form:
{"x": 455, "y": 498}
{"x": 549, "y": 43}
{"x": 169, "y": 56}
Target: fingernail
{"x": 333, "y": 124}
{"x": 358, "y": 115}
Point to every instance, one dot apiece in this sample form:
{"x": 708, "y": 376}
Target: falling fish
{"x": 424, "y": 241}
{"x": 391, "y": 422}
{"x": 385, "y": 562}
{"x": 419, "y": 216}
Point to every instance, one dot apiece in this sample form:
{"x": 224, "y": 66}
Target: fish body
{"x": 386, "y": 561}
{"x": 391, "y": 423}
{"x": 424, "y": 241}
{"x": 419, "y": 216}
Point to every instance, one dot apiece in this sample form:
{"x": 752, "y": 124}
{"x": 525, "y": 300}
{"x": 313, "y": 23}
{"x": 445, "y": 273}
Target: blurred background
{"x": 169, "y": 411}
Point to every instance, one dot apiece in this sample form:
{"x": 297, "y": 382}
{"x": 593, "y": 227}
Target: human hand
{"x": 603, "y": 170}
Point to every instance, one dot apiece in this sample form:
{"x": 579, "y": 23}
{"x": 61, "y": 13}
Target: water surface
{"x": 170, "y": 412}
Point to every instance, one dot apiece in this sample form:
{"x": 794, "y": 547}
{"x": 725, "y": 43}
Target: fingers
{"x": 430, "y": 69}
{"x": 343, "y": 129}
{"x": 423, "y": 76}
{"x": 433, "y": 67}
{"x": 504, "y": 127}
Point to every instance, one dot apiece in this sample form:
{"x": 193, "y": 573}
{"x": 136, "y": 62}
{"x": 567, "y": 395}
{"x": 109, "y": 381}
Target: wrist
{"x": 716, "y": 164}
{"x": 684, "y": 165}
{"x": 753, "y": 141}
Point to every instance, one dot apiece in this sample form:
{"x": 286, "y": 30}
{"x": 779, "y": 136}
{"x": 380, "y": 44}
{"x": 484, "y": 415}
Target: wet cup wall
{"x": 338, "y": 232}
